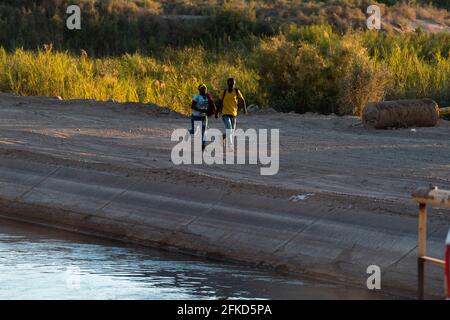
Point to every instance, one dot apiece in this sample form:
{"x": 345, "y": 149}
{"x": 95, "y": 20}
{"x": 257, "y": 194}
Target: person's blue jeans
{"x": 204, "y": 121}
{"x": 230, "y": 126}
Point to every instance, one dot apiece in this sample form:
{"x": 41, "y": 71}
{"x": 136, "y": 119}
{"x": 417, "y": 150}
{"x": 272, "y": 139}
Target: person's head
{"x": 231, "y": 83}
{"x": 202, "y": 89}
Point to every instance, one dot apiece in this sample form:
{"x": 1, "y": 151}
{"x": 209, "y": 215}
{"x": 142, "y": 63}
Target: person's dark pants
{"x": 204, "y": 121}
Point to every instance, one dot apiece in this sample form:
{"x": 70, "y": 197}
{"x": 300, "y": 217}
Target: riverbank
{"x": 104, "y": 169}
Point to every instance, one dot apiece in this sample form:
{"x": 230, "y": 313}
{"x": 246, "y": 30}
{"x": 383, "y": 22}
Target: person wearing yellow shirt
{"x": 230, "y": 101}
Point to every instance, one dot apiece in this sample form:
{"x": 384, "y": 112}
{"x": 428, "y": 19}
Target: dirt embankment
{"x": 105, "y": 169}
{"x": 317, "y": 153}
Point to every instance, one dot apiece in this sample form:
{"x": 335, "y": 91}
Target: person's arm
{"x": 220, "y": 106}
{"x": 194, "y": 106}
{"x": 244, "y": 105}
{"x": 212, "y": 105}
{"x": 216, "y": 110}
{"x": 241, "y": 102}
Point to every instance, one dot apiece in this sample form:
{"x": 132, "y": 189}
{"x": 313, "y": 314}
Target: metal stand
{"x": 423, "y": 197}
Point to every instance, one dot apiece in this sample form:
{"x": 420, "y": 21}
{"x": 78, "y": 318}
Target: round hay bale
{"x": 401, "y": 114}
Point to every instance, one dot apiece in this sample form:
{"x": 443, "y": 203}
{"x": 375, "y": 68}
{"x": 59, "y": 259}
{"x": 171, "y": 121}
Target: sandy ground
{"x": 111, "y": 162}
{"x": 318, "y": 154}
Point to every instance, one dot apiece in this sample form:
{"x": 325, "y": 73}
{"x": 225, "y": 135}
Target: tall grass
{"x": 413, "y": 75}
{"x": 170, "y": 81}
{"x": 304, "y": 69}
{"x": 314, "y": 69}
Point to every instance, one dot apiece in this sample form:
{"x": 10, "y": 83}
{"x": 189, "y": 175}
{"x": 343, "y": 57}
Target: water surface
{"x": 44, "y": 263}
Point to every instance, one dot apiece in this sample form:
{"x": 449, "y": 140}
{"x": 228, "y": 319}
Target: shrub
{"x": 294, "y": 75}
{"x": 318, "y": 71}
{"x": 361, "y": 81}
{"x": 115, "y": 27}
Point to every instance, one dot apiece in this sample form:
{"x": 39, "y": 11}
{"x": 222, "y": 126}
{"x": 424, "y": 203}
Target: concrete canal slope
{"x": 104, "y": 169}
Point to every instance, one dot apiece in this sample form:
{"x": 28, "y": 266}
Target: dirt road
{"x": 360, "y": 181}
{"x": 317, "y": 153}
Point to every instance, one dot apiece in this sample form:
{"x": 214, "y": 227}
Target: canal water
{"x": 44, "y": 263}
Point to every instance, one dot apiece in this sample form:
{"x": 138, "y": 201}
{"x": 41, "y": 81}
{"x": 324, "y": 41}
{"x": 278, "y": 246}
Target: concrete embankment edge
{"x": 315, "y": 239}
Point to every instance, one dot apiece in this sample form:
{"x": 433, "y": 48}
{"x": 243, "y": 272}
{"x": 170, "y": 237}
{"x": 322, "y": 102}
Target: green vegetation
{"x": 169, "y": 81}
{"x": 158, "y": 51}
{"x": 314, "y": 69}
{"x": 114, "y": 27}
